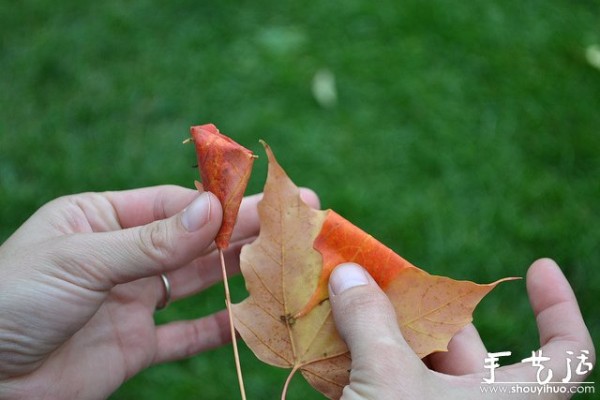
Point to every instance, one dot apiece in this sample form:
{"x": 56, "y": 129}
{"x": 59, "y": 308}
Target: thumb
{"x": 366, "y": 320}
{"x": 109, "y": 258}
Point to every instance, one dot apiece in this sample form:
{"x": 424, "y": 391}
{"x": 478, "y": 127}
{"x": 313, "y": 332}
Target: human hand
{"x": 384, "y": 366}
{"x": 80, "y": 282}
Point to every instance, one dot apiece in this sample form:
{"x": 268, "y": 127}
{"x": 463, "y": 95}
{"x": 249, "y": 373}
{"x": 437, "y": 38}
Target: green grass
{"x": 466, "y": 135}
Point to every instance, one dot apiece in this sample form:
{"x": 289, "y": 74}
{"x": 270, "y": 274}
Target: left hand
{"x": 80, "y": 282}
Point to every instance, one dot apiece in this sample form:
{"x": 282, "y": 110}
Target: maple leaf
{"x": 287, "y": 320}
{"x": 430, "y": 309}
{"x": 340, "y": 241}
{"x": 225, "y": 169}
{"x": 281, "y": 269}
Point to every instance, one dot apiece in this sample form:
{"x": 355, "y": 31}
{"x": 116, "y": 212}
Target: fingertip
{"x": 359, "y": 305}
{"x": 555, "y": 305}
{"x": 346, "y": 276}
{"x": 366, "y": 320}
{"x": 204, "y": 209}
{"x": 310, "y": 197}
{"x": 543, "y": 265}
{"x": 546, "y": 284}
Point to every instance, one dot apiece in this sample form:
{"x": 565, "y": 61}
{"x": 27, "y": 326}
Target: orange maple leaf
{"x": 430, "y": 309}
{"x": 341, "y": 241}
{"x": 225, "y": 169}
{"x": 287, "y": 321}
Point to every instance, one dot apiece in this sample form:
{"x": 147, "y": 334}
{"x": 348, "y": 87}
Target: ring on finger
{"x": 166, "y": 298}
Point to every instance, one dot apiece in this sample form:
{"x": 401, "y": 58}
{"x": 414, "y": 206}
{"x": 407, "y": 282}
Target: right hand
{"x": 385, "y": 367}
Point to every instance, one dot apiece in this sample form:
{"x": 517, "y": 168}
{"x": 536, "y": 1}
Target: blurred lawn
{"x": 466, "y": 135}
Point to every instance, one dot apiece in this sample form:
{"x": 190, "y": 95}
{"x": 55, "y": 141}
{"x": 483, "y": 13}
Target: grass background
{"x": 465, "y": 136}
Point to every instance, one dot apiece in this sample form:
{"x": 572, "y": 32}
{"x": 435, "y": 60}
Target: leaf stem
{"x": 287, "y": 382}
{"x": 236, "y": 354}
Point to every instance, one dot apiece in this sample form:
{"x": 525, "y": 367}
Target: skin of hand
{"x": 81, "y": 281}
{"x": 384, "y": 366}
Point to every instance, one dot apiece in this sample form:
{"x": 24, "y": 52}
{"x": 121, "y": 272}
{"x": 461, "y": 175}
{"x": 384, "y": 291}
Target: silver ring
{"x": 167, "y": 292}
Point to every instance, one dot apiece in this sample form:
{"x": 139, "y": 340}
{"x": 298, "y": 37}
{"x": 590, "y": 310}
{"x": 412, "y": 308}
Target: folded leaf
{"x": 341, "y": 241}
{"x": 225, "y": 168}
{"x": 430, "y": 309}
{"x": 287, "y": 320}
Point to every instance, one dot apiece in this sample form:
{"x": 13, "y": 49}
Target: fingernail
{"x": 197, "y": 214}
{"x": 347, "y": 276}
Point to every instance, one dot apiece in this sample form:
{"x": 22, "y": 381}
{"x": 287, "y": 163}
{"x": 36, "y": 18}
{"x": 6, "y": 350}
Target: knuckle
{"x": 191, "y": 337}
{"x": 155, "y": 242}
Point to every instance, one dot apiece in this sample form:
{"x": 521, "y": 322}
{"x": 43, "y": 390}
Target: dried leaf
{"x": 431, "y": 309}
{"x": 225, "y": 169}
{"x": 341, "y": 241}
{"x": 329, "y": 376}
{"x": 281, "y": 269}
{"x": 287, "y": 320}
